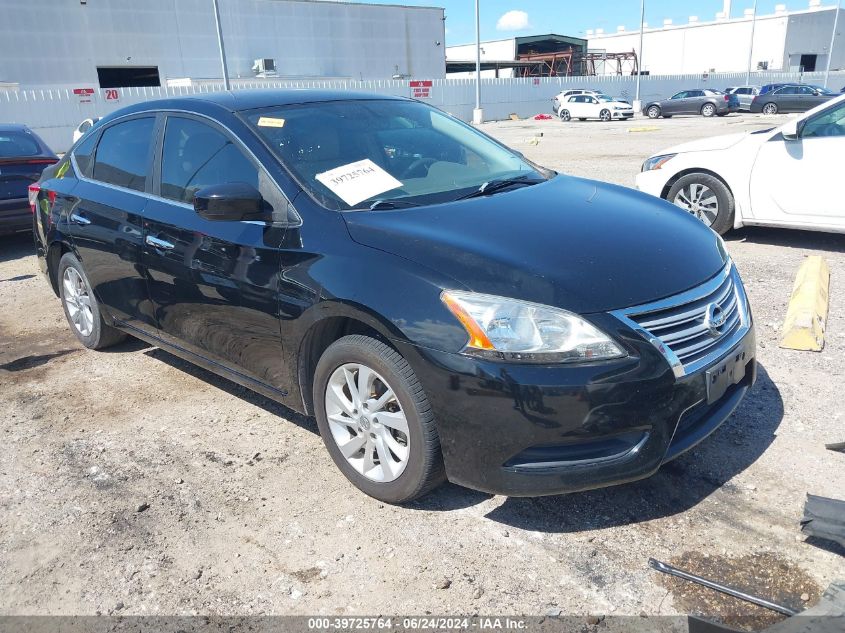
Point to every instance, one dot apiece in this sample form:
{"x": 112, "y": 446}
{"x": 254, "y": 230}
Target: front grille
{"x": 680, "y": 328}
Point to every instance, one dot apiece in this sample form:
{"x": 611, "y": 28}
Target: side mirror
{"x": 232, "y": 201}
{"x": 789, "y": 131}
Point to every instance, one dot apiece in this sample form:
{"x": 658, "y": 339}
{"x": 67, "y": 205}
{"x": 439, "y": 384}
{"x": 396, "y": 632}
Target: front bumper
{"x": 524, "y": 430}
{"x": 623, "y": 114}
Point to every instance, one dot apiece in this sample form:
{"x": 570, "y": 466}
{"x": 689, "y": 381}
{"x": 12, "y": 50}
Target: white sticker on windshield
{"x": 355, "y": 182}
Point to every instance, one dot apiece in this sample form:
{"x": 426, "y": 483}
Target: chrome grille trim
{"x": 675, "y": 325}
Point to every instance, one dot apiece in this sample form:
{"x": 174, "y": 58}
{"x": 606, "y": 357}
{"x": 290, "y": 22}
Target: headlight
{"x": 656, "y": 162}
{"x": 621, "y": 108}
{"x": 508, "y": 329}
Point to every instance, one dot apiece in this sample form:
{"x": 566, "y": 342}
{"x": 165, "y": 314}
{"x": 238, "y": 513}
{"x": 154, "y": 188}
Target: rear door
{"x": 213, "y": 282}
{"x": 695, "y": 99}
{"x": 675, "y": 104}
{"x": 105, "y": 225}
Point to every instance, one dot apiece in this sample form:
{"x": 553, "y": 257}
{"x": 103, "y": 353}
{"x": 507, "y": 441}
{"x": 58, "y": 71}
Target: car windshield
{"x": 390, "y": 153}
{"x": 17, "y": 144}
{"x": 605, "y": 98}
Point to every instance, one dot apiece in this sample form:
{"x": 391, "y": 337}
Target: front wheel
{"x": 705, "y": 197}
{"x": 770, "y": 108}
{"x": 81, "y": 307}
{"x": 653, "y": 112}
{"x": 605, "y": 115}
{"x": 564, "y": 115}
{"x": 376, "y": 421}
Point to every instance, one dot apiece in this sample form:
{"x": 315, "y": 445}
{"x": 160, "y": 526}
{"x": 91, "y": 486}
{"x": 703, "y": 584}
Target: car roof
{"x": 13, "y": 127}
{"x": 242, "y": 100}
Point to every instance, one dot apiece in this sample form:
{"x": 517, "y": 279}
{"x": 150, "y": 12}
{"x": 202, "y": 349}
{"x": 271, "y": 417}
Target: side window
{"x": 680, "y": 95}
{"x": 83, "y": 153}
{"x": 123, "y": 153}
{"x": 807, "y": 91}
{"x": 695, "y": 93}
{"x": 830, "y": 123}
{"x": 196, "y": 155}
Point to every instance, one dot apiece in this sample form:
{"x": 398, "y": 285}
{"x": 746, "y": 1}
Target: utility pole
{"x": 637, "y": 103}
{"x": 478, "y": 113}
{"x": 751, "y": 45}
{"x": 832, "y": 42}
{"x": 226, "y": 84}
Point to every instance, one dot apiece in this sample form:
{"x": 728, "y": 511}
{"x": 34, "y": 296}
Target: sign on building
{"x": 85, "y": 95}
{"x": 421, "y": 89}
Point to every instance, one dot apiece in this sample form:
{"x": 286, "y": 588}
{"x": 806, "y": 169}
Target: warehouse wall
{"x": 722, "y": 46}
{"x": 48, "y": 42}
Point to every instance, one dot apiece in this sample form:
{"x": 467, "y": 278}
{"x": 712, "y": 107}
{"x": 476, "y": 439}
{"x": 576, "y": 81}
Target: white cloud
{"x": 513, "y": 21}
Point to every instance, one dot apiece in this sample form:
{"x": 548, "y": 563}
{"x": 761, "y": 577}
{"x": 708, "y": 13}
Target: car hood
{"x": 713, "y": 143}
{"x": 618, "y": 103}
{"x": 576, "y": 244}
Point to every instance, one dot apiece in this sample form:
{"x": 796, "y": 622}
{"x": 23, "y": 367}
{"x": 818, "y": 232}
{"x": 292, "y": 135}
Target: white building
{"x": 115, "y": 43}
{"x": 783, "y": 41}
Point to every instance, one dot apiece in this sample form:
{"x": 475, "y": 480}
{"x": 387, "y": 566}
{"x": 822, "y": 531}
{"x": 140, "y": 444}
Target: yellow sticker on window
{"x": 268, "y": 121}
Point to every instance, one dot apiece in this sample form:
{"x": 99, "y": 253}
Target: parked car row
{"x": 704, "y": 101}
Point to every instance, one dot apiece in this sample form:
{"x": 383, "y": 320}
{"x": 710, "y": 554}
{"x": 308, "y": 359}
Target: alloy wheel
{"x": 770, "y": 108}
{"x": 708, "y": 110}
{"x": 653, "y": 112}
{"x": 604, "y": 115}
{"x": 77, "y": 299}
{"x": 564, "y": 115}
{"x": 700, "y": 201}
{"x": 367, "y": 422}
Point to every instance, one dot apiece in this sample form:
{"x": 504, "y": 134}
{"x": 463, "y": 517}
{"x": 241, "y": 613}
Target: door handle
{"x": 157, "y": 243}
{"x": 79, "y": 219}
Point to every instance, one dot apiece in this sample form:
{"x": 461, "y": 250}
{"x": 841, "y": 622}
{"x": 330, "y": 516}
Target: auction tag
{"x": 268, "y": 121}
{"x": 358, "y": 181}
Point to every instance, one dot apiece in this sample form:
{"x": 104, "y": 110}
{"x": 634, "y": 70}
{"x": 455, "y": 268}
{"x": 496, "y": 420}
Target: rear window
{"x": 14, "y": 144}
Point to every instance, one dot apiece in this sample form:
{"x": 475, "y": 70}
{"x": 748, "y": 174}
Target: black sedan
{"x": 791, "y": 98}
{"x": 23, "y": 156}
{"x": 444, "y": 307}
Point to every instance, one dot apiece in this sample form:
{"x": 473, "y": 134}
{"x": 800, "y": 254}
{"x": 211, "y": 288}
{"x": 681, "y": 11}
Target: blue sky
{"x": 574, "y": 18}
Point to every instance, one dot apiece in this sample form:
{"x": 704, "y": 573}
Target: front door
{"x": 798, "y": 181}
{"x": 213, "y": 283}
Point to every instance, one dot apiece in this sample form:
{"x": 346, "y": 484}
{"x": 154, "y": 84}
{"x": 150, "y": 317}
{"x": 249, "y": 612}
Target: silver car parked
{"x": 745, "y": 94}
{"x": 704, "y": 101}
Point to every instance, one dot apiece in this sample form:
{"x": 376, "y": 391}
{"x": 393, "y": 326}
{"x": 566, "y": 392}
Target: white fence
{"x": 54, "y": 112}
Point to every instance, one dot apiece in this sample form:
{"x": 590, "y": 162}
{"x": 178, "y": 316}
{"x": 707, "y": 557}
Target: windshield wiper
{"x": 492, "y": 186}
{"x": 387, "y": 204}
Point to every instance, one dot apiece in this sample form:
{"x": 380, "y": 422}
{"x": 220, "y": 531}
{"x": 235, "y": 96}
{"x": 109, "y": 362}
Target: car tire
{"x": 708, "y": 110}
{"x": 81, "y": 307}
{"x": 770, "y": 108}
{"x": 347, "y": 424}
{"x": 694, "y": 192}
{"x": 564, "y": 115}
{"x": 605, "y": 115}
{"x": 653, "y": 112}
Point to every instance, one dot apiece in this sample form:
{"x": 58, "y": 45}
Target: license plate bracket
{"x": 727, "y": 372}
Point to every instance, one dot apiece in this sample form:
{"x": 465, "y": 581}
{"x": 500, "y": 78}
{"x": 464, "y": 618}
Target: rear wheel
{"x": 705, "y": 197}
{"x": 708, "y": 110}
{"x": 770, "y": 108}
{"x": 81, "y": 307}
{"x": 605, "y": 115}
{"x": 564, "y": 115}
{"x": 376, "y": 421}
{"x": 653, "y": 112}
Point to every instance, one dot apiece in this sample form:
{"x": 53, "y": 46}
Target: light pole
{"x": 751, "y": 45}
{"x": 478, "y": 113}
{"x": 832, "y": 42}
{"x": 226, "y": 83}
{"x": 637, "y": 103}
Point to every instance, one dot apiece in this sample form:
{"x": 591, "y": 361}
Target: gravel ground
{"x": 132, "y": 482}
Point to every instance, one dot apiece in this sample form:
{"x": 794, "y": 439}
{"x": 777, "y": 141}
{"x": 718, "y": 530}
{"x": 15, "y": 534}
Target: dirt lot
{"x": 133, "y": 482}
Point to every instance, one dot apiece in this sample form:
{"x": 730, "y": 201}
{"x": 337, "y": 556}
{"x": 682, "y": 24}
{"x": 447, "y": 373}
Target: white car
{"x": 563, "y": 96}
{"x": 594, "y": 106}
{"x": 786, "y": 176}
{"x": 83, "y": 127}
